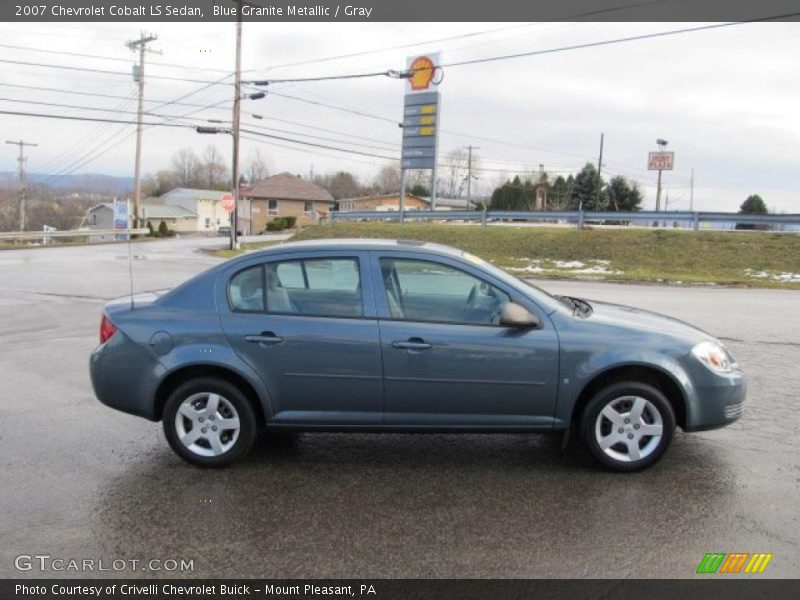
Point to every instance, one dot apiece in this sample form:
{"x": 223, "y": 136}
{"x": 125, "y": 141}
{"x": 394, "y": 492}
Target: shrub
{"x": 152, "y": 231}
{"x": 163, "y": 230}
{"x": 290, "y": 222}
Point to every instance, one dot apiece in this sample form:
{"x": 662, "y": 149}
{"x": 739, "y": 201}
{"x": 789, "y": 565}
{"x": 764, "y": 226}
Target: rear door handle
{"x": 414, "y": 343}
{"x": 264, "y": 338}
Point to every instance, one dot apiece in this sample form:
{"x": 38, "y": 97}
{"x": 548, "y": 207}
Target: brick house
{"x": 283, "y": 195}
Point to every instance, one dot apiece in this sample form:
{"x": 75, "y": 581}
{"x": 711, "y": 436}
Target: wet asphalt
{"x": 81, "y": 481}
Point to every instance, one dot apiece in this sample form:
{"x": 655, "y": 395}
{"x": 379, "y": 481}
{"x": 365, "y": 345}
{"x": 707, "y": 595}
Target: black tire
{"x": 614, "y": 393}
{"x": 247, "y": 421}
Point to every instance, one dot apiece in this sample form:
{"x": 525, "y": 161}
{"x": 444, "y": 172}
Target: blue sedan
{"x": 376, "y": 335}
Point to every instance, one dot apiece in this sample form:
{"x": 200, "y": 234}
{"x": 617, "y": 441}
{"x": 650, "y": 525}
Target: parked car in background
{"x": 375, "y": 335}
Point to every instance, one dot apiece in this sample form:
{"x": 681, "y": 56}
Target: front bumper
{"x": 718, "y": 400}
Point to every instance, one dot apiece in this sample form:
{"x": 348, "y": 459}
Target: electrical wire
{"x": 105, "y": 71}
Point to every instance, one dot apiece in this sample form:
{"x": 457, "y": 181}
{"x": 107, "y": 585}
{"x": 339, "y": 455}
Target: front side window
{"x": 272, "y": 207}
{"x": 418, "y": 290}
{"x": 308, "y": 207}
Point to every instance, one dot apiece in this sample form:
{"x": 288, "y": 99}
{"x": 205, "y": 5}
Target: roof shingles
{"x": 285, "y": 186}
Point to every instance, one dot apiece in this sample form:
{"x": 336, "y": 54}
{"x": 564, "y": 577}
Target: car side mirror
{"x": 514, "y": 315}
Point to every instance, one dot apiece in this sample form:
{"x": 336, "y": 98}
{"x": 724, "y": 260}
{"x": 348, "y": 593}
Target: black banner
{"x": 396, "y": 10}
{"x": 408, "y": 589}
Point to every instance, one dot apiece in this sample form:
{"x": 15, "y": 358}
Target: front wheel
{"x": 208, "y": 422}
{"x": 627, "y": 426}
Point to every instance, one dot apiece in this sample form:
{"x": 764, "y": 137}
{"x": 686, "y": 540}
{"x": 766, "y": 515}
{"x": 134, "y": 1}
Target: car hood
{"x": 628, "y": 317}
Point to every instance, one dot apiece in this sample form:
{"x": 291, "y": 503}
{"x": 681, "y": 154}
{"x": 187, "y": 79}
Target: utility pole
{"x": 138, "y": 76}
{"x": 470, "y": 148}
{"x": 237, "y": 99}
{"x": 23, "y": 182}
{"x": 691, "y": 193}
{"x": 599, "y": 171}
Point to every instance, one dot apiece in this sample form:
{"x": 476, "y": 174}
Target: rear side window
{"x": 320, "y": 287}
{"x": 247, "y": 290}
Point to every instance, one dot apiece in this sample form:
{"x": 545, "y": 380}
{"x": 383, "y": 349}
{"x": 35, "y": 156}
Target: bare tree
{"x": 213, "y": 169}
{"x": 387, "y": 181}
{"x": 455, "y": 167}
{"x": 186, "y": 168}
{"x": 257, "y": 167}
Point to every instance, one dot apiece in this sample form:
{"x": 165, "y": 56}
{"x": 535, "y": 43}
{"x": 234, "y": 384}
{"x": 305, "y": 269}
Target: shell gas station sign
{"x": 421, "y": 112}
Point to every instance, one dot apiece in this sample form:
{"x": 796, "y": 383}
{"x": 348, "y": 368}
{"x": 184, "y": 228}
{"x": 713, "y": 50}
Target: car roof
{"x": 356, "y": 244}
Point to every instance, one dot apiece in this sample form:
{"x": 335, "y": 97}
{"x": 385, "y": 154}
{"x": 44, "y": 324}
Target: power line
{"x": 91, "y": 119}
{"x": 109, "y": 58}
{"x": 623, "y": 40}
{"x": 104, "y": 71}
{"x": 591, "y": 13}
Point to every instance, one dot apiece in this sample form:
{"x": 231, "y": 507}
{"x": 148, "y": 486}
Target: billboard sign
{"x": 420, "y": 130}
{"x": 121, "y": 213}
{"x": 660, "y": 161}
{"x": 425, "y": 73}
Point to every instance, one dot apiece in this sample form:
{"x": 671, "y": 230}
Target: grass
{"x": 755, "y": 259}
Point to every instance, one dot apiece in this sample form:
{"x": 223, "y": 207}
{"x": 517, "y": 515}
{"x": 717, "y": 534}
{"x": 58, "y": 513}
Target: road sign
{"x": 660, "y": 161}
{"x": 228, "y": 203}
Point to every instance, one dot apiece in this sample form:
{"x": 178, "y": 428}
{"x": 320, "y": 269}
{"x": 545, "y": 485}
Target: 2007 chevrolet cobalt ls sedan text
{"x": 371, "y": 335}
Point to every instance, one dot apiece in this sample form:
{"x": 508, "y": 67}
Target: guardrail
{"x": 35, "y": 235}
{"x": 580, "y": 218}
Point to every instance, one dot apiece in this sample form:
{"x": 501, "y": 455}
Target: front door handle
{"x": 264, "y": 338}
{"x": 413, "y": 343}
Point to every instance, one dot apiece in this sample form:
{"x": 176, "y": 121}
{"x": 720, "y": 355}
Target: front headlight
{"x": 715, "y": 357}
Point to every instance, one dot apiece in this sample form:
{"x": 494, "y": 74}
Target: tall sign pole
{"x": 237, "y": 100}
{"x": 421, "y": 109}
{"x": 138, "y": 76}
{"x": 23, "y": 179}
{"x": 660, "y": 161}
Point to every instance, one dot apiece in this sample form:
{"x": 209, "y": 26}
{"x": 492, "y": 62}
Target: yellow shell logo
{"x": 422, "y": 70}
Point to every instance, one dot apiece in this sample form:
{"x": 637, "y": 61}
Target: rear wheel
{"x": 627, "y": 426}
{"x": 209, "y": 422}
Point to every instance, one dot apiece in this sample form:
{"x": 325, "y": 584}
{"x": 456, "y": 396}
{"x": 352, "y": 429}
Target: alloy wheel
{"x": 629, "y": 428}
{"x": 207, "y": 424}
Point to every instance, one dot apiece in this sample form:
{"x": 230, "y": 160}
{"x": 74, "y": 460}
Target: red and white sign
{"x": 426, "y": 74}
{"x": 661, "y": 161}
{"x": 228, "y": 203}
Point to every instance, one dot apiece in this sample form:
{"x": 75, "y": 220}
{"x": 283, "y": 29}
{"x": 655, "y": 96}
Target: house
{"x": 205, "y": 204}
{"x": 391, "y": 202}
{"x": 177, "y": 218}
{"x": 383, "y": 202}
{"x": 282, "y": 195}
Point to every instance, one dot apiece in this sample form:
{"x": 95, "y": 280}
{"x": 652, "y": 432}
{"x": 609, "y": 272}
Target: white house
{"x": 206, "y": 204}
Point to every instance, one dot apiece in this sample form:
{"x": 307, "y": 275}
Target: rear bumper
{"x": 122, "y": 375}
{"x": 718, "y": 401}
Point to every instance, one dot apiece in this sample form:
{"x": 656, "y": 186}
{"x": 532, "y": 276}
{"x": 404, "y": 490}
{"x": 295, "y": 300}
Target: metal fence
{"x": 76, "y": 233}
{"x": 685, "y": 219}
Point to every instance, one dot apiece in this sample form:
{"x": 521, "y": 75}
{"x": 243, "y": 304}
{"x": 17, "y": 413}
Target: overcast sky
{"x": 726, "y": 99}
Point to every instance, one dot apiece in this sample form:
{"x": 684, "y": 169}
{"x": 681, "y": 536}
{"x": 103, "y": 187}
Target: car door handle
{"x": 265, "y": 337}
{"x": 412, "y": 344}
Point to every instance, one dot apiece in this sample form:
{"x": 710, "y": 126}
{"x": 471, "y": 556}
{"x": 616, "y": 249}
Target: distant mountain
{"x": 83, "y": 182}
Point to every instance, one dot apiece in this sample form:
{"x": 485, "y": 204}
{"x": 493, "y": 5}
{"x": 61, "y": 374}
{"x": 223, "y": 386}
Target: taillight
{"x": 107, "y": 329}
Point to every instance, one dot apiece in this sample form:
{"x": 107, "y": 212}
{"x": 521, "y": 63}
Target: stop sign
{"x": 228, "y": 202}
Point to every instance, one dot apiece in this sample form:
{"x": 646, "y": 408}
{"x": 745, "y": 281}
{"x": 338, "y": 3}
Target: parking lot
{"x": 83, "y": 481}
